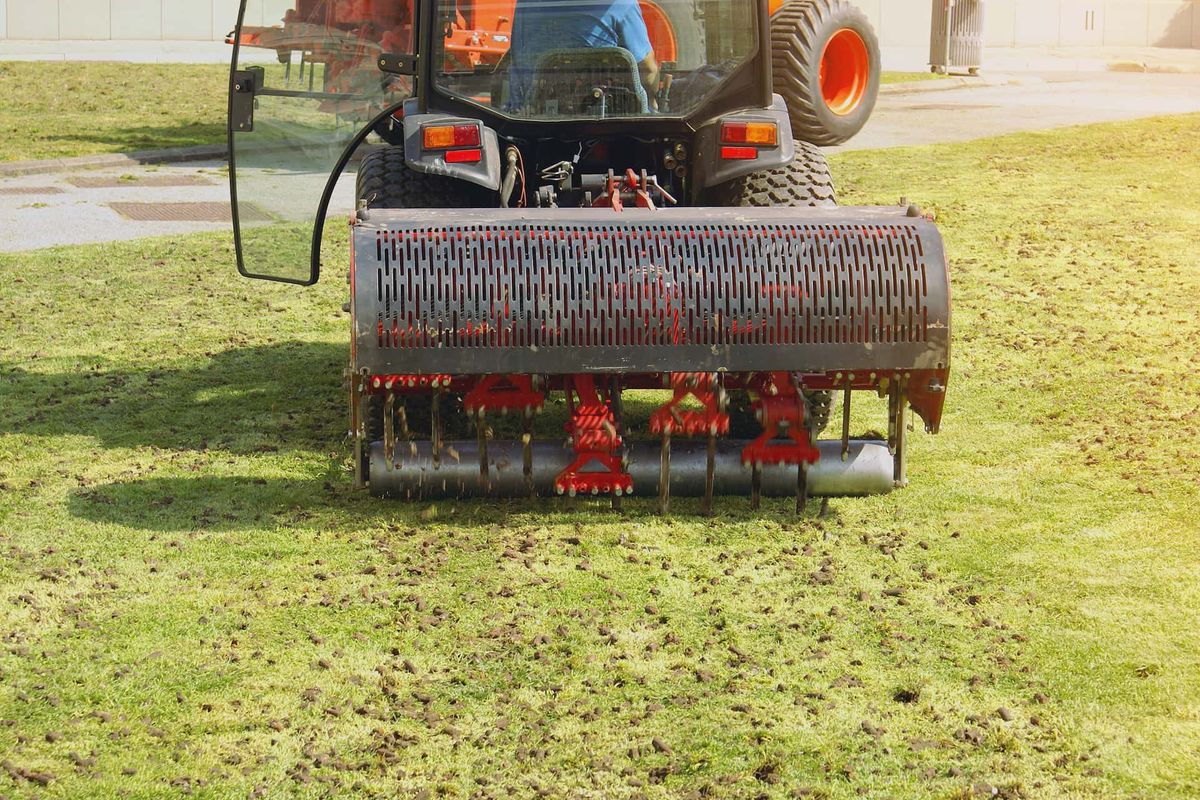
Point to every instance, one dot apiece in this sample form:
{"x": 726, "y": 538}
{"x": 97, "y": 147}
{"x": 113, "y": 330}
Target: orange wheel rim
{"x": 662, "y": 32}
{"x": 845, "y": 72}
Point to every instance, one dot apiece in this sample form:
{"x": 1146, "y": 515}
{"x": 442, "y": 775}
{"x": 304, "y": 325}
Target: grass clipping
{"x": 193, "y": 599}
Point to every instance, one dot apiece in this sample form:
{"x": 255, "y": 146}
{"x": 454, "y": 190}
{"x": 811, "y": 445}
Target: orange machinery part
{"x": 474, "y": 44}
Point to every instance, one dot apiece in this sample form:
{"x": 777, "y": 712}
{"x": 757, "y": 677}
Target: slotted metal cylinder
{"x": 473, "y": 292}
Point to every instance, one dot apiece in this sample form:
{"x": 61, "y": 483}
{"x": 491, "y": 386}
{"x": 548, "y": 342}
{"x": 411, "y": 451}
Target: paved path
{"x": 137, "y": 51}
{"x": 43, "y": 210}
{"x": 1029, "y": 103}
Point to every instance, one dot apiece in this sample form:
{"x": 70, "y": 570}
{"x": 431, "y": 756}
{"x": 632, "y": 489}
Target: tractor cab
{"x": 334, "y": 78}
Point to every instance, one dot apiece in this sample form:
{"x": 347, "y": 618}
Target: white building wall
{"x": 84, "y": 19}
{"x": 901, "y": 23}
{"x": 32, "y": 20}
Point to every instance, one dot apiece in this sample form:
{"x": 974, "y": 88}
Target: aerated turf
{"x": 194, "y": 601}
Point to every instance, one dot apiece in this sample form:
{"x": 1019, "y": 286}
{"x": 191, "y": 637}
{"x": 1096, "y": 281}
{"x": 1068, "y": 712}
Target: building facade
{"x": 901, "y": 23}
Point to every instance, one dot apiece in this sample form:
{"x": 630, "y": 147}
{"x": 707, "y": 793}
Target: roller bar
{"x": 869, "y": 469}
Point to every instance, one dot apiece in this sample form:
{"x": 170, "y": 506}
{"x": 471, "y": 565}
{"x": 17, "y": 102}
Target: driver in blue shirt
{"x": 540, "y": 26}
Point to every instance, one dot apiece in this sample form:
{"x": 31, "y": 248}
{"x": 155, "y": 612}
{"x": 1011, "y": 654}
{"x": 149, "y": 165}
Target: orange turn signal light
{"x": 762, "y": 134}
{"x": 444, "y": 137}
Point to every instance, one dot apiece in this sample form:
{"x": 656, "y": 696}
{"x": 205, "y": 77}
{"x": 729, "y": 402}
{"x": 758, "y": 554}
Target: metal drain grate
{"x": 151, "y": 181}
{"x": 185, "y": 212}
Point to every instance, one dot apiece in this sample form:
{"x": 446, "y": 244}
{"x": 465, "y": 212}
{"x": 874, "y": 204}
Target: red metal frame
{"x": 593, "y": 432}
{"x": 781, "y": 410}
{"x": 504, "y": 394}
{"x": 672, "y": 420}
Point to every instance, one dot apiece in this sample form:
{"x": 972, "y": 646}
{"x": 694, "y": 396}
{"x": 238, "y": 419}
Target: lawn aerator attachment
{"x": 501, "y": 310}
{"x": 613, "y": 200}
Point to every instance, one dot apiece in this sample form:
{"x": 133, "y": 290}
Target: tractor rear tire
{"x": 826, "y": 63}
{"x": 805, "y": 182}
{"x": 689, "y": 45}
{"x": 385, "y": 181}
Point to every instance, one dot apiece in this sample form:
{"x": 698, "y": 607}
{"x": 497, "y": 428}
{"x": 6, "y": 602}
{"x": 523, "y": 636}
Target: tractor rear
{"x": 545, "y": 229}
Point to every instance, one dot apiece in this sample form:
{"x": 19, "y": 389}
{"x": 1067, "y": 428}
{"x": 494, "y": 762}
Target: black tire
{"x": 385, "y": 181}
{"x": 801, "y": 32}
{"x": 805, "y": 182}
{"x": 688, "y": 42}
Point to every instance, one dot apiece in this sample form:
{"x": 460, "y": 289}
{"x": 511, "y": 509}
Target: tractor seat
{"x": 567, "y": 82}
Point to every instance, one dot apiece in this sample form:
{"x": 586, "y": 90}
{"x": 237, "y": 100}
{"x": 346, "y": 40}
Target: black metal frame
{"x": 235, "y": 97}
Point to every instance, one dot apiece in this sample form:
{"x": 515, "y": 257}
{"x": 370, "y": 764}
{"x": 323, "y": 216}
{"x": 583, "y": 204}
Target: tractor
{"x": 825, "y": 54}
{"x": 558, "y": 203}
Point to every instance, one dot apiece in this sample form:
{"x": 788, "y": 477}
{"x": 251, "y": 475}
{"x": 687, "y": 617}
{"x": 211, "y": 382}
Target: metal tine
{"x": 404, "y": 429}
{"x": 527, "y": 447}
{"x": 810, "y": 434}
{"x": 718, "y": 386}
{"x": 435, "y": 433}
{"x": 618, "y": 409}
{"x": 710, "y": 476}
{"x": 893, "y": 432}
{"x": 846, "y": 422}
{"x": 389, "y": 431}
{"x": 756, "y": 487}
{"x": 481, "y": 429}
{"x": 801, "y": 488}
{"x": 901, "y": 439}
{"x": 664, "y": 475}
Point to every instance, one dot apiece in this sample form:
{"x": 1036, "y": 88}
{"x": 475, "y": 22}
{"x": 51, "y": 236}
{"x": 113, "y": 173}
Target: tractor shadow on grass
{"x": 241, "y": 502}
{"x": 145, "y": 140}
{"x": 268, "y": 401}
{"x": 237, "y": 502}
{"x": 263, "y": 399}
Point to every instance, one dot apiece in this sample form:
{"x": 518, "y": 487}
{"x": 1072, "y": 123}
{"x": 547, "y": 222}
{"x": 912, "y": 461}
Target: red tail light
{"x": 763, "y": 134}
{"x": 444, "y": 137}
{"x": 464, "y": 156}
{"x": 739, "y": 153}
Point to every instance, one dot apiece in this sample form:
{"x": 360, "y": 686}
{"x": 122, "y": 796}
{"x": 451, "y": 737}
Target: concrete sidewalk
{"x": 144, "y": 52}
{"x": 1027, "y": 102}
{"x": 1058, "y": 59}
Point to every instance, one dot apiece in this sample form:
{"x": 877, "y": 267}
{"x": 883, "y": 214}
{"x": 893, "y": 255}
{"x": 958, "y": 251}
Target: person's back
{"x": 540, "y": 26}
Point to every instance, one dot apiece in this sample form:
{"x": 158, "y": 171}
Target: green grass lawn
{"x": 194, "y": 600}
{"x": 56, "y": 110}
{"x": 908, "y": 77}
